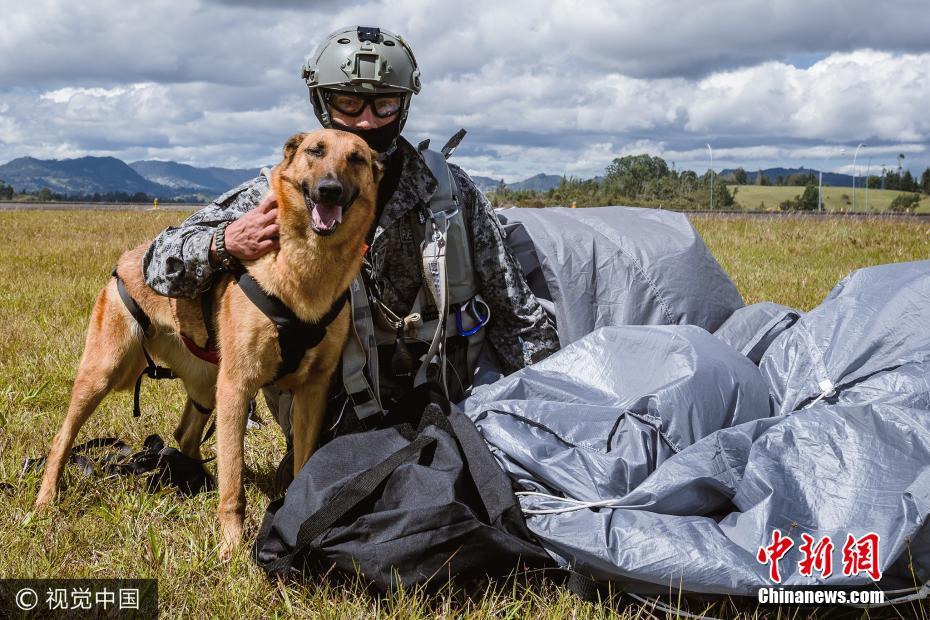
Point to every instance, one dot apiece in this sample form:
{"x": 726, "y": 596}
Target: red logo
{"x": 817, "y": 557}
{"x": 774, "y": 552}
{"x": 860, "y": 555}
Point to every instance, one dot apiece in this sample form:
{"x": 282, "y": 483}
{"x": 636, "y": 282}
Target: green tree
{"x": 44, "y": 195}
{"x": 740, "y": 177}
{"x": 925, "y": 181}
{"x": 761, "y": 179}
{"x": 6, "y": 191}
{"x": 687, "y": 182}
{"x": 892, "y": 180}
{"x": 808, "y": 200}
{"x": 907, "y": 182}
{"x": 627, "y": 176}
{"x": 723, "y": 199}
{"x": 904, "y": 203}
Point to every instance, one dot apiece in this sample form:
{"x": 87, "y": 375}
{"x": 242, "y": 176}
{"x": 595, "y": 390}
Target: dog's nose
{"x": 329, "y": 189}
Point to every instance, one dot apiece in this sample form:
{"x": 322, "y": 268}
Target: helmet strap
{"x": 319, "y": 107}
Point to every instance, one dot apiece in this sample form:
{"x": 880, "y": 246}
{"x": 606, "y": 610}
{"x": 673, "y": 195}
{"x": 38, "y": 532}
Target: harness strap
{"x": 137, "y": 312}
{"x": 295, "y": 337}
{"x": 151, "y": 370}
{"x": 434, "y": 278}
{"x": 361, "y": 350}
{"x": 206, "y": 308}
{"x": 209, "y": 354}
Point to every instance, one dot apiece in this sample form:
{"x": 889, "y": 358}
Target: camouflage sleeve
{"x": 177, "y": 264}
{"x": 520, "y": 331}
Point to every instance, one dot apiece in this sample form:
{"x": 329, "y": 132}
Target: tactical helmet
{"x": 365, "y": 61}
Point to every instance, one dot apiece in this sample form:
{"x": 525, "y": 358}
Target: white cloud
{"x": 560, "y": 87}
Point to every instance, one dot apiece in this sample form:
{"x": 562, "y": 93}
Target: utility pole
{"x": 712, "y": 175}
{"x": 820, "y": 193}
{"x": 855, "y": 155}
{"x": 867, "y": 168}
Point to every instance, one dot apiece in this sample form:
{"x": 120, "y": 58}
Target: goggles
{"x": 352, "y": 104}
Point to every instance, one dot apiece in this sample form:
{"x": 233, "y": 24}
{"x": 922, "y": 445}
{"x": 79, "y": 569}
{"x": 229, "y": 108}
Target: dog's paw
{"x": 43, "y": 502}
{"x": 232, "y": 539}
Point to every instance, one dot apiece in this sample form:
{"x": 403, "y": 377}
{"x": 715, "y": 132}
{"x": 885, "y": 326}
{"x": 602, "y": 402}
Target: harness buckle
{"x": 412, "y": 322}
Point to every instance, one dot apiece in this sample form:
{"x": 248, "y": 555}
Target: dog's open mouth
{"x": 324, "y": 218}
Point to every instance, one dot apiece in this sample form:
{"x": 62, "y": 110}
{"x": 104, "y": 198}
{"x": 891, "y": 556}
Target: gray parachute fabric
{"x": 693, "y": 454}
{"x": 619, "y": 266}
{"x": 875, "y": 320}
{"x": 595, "y": 420}
{"x": 751, "y": 329}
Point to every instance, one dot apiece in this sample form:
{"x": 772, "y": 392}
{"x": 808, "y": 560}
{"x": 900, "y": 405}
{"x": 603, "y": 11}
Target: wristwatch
{"x": 227, "y": 260}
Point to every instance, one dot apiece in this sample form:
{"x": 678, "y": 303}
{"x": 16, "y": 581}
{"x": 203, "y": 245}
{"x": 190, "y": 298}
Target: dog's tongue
{"x": 325, "y": 217}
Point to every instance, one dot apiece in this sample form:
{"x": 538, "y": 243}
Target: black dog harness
{"x": 295, "y": 337}
{"x": 151, "y": 370}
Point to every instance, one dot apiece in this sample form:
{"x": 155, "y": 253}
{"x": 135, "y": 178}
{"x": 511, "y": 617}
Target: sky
{"x": 560, "y": 87}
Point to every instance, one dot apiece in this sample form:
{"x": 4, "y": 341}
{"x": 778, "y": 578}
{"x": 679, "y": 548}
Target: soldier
{"x": 361, "y": 80}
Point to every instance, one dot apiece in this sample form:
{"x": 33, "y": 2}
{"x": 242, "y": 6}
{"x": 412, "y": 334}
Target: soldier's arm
{"x": 521, "y": 332}
{"x": 178, "y": 263}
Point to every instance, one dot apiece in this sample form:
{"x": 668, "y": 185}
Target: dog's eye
{"x": 356, "y": 158}
{"x": 316, "y": 151}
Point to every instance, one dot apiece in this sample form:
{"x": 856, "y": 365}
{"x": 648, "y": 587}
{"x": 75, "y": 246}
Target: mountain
{"x": 540, "y": 183}
{"x": 101, "y": 175}
{"x": 211, "y": 181}
{"x": 486, "y": 184}
{"x": 829, "y": 178}
{"x": 84, "y": 175}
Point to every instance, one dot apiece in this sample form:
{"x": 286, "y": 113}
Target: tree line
{"x": 637, "y": 180}
{"x": 44, "y": 194}
{"x": 648, "y": 181}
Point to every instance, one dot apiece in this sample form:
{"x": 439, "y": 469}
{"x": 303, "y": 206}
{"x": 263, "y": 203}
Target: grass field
{"x": 51, "y": 266}
{"x": 835, "y": 199}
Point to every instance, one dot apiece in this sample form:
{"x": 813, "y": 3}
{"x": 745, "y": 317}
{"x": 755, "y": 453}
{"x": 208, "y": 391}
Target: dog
{"x": 326, "y": 188}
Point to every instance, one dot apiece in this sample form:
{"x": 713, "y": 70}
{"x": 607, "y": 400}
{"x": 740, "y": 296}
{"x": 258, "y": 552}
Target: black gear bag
{"x": 417, "y": 503}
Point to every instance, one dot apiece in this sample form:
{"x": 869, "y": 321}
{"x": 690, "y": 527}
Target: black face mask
{"x": 380, "y": 139}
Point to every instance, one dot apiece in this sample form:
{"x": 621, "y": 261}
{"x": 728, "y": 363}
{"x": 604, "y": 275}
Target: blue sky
{"x": 559, "y": 87}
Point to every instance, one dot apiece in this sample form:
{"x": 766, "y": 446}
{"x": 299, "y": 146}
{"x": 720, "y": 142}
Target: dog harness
{"x": 295, "y": 337}
{"x": 151, "y": 370}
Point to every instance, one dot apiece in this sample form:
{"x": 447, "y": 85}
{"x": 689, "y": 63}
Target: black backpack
{"x": 416, "y": 503}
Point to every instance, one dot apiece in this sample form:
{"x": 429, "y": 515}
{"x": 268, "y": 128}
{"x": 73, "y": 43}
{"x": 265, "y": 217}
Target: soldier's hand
{"x": 255, "y": 233}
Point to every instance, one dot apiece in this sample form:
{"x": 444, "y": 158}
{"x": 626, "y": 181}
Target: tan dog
{"x": 326, "y": 189}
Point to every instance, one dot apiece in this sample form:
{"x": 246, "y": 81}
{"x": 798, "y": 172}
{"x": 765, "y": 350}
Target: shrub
{"x": 904, "y": 203}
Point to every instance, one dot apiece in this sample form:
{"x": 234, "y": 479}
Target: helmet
{"x": 362, "y": 60}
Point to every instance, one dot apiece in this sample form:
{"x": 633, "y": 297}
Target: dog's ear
{"x": 290, "y": 147}
{"x": 377, "y": 168}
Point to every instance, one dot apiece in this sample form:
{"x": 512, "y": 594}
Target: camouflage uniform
{"x": 177, "y": 264}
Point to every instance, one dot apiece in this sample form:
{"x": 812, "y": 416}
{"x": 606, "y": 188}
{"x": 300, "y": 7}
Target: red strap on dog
{"x": 207, "y": 355}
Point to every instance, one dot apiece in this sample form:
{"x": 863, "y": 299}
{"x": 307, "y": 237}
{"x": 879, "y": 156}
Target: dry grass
{"x": 51, "y": 266}
{"x": 797, "y": 260}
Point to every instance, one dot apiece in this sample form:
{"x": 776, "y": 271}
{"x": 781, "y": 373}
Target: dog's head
{"x": 327, "y": 184}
